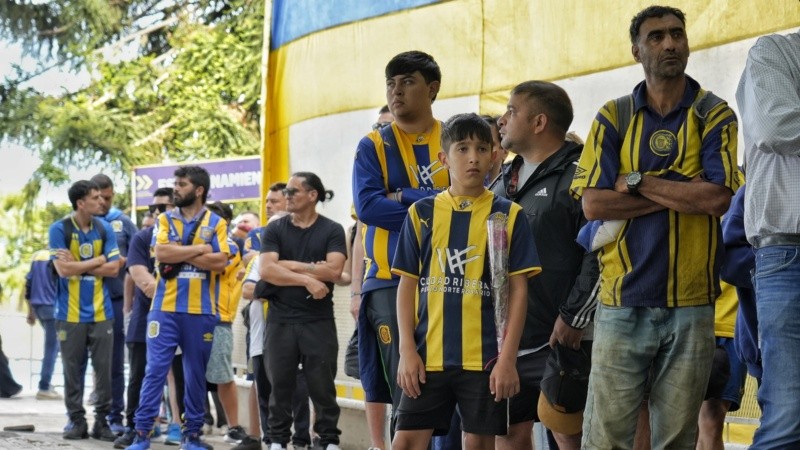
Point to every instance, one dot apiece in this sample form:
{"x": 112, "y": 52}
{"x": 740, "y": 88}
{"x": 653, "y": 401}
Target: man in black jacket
{"x": 561, "y": 299}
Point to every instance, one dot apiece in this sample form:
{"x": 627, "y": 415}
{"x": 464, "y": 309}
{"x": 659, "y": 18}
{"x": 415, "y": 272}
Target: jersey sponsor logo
{"x": 662, "y": 142}
{"x": 384, "y": 334}
{"x": 425, "y": 222}
{"x": 455, "y": 260}
{"x": 424, "y": 174}
{"x": 208, "y": 337}
{"x": 190, "y": 273}
{"x": 116, "y": 225}
{"x": 579, "y": 173}
{"x": 153, "y": 328}
{"x": 86, "y": 250}
{"x": 541, "y": 192}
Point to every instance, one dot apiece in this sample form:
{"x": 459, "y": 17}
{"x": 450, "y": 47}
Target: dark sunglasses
{"x": 289, "y": 192}
{"x": 380, "y": 125}
{"x": 160, "y": 207}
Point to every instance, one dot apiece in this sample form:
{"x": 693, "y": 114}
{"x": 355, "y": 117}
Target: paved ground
{"x": 48, "y": 419}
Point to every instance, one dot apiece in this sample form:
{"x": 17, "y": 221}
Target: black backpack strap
{"x": 702, "y": 106}
{"x": 625, "y": 114}
{"x": 194, "y": 229}
{"x": 69, "y": 230}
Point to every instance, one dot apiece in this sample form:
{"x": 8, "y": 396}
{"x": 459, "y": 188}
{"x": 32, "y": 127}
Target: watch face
{"x": 633, "y": 178}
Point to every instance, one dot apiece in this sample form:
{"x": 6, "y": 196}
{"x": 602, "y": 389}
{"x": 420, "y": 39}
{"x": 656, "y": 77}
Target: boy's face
{"x": 408, "y": 95}
{"x": 468, "y": 160}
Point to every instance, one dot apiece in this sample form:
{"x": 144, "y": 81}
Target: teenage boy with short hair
{"x": 445, "y": 311}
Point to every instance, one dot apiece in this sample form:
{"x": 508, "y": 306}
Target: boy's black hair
{"x": 197, "y": 175}
{"x": 79, "y": 190}
{"x": 463, "y": 126}
{"x": 410, "y": 62}
{"x": 649, "y": 13}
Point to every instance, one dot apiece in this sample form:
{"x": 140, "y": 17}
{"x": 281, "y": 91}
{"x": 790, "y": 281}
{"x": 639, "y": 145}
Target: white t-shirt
{"x": 525, "y": 172}
{"x": 256, "y": 315}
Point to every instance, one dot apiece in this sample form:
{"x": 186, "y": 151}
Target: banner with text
{"x": 232, "y": 180}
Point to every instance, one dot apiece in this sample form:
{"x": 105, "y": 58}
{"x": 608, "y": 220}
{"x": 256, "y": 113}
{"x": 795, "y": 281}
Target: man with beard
{"x": 663, "y": 161}
{"x": 191, "y": 248}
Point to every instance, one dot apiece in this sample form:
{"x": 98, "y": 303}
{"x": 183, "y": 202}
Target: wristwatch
{"x": 634, "y": 180}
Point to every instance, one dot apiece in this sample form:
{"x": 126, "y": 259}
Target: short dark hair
{"x": 221, "y": 209}
{"x": 164, "y": 192}
{"x": 649, "y": 13}
{"x": 312, "y": 182}
{"x": 102, "y": 181}
{"x": 384, "y": 109}
{"x": 79, "y": 190}
{"x": 198, "y": 176}
{"x": 551, "y": 99}
{"x": 410, "y": 62}
{"x": 463, "y": 126}
{"x": 277, "y": 187}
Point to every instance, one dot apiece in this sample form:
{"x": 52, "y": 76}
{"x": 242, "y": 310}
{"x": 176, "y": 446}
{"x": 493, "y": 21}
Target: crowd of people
{"x": 591, "y": 287}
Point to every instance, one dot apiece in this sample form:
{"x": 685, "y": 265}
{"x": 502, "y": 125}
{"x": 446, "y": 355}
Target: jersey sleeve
{"x": 56, "y": 238}
{"x": 253, "y": 240}
{"x": 522, "y": 255}
{"x": 161, "y": 231}
{"x": 252, "y": 271}
{"x": 407, "y": 257}
{"x": 110, "y": 249}
{"x": 139, "y": 251}
{"x": 598, "y": 166}
{"x": 369, "y": 190}
{"x": 718, "y": 152}
{"x": 219, "y": 242}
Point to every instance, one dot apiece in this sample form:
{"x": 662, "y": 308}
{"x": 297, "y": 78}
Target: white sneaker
{"x": 332, "y": 447}
{"x": 49, "y": 394}
{"x": 275, "y": 446}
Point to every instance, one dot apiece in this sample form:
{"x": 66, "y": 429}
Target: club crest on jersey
{"x": 206, "y": 233}
{"x": 61, "y": 335}
{"x": 384, "y": 334}
{"x": 116, "y": 225}
{"x": 86, "y": 250}
{"x": 662, "y": 142}
{"x": 153, "y": 328}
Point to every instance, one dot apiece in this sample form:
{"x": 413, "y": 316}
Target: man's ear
{"x": 443, "y": 159}
{"x": 635, "y": 52}
{"x": 433, "y": 89}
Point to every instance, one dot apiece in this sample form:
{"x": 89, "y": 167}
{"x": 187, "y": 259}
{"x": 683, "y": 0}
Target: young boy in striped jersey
{"x": 448, "y": 345}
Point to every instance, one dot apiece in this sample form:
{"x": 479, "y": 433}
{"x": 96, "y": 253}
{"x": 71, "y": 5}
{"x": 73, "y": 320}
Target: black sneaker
{"x": 235, "y": 435}
{"x": 77, "y": 430}
{"x": 102, "y": 432}
{"x": 248, "y": 443}
{"x": 125, "y": 440}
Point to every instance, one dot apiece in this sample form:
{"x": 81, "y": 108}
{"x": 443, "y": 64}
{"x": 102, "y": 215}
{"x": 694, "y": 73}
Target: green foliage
{"x": 177, "y": 79}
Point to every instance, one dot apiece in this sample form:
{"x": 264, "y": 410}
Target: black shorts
{"x": 530, "y": 367}
{"x": 442, "y": 391}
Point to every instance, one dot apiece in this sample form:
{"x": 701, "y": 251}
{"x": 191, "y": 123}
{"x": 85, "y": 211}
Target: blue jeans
{"x": 679, "y": 344}
{"x": 46, "y": 316}
{"x": 118, "y": 365}
{"x": 777, "y": 286}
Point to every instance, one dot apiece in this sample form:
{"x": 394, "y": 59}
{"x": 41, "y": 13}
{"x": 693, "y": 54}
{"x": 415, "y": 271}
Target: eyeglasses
{"x": 380, "y": 125}
{"x": 160, "y": 207}
{"x": 289, "y": 192}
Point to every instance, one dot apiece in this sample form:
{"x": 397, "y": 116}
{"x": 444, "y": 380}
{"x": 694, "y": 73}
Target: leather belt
{"x": 772, "y": 240}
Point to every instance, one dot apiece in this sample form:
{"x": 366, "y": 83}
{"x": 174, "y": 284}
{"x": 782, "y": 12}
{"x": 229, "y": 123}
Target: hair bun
{"x": 328, "y": 195}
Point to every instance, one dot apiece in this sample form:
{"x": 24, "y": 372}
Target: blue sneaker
{"x": 117, "y": 428}
{"x": 173, "y": 436}
{"x": 142, "y": 442}
{"x": 156, "y": 430}
{"x": 192, "y": 442}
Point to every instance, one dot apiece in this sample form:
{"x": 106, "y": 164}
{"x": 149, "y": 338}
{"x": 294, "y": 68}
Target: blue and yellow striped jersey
{"x": 84, "y": 298}
{"x": 444, "y": 244}
{"x": 230, "y": 289}
{"x": 193, "y": 290}
{"x": 667, "y": 258}
{"x": 386, "y": 161}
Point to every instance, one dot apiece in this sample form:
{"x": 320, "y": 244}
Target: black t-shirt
{"x": 292, "y": 304}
